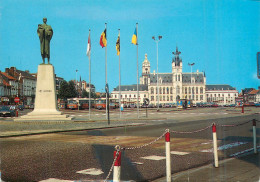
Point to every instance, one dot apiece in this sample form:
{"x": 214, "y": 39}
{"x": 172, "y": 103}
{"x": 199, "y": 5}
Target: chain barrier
{"x": 113, "y": 164}
{"x": 145, "y": 145}
{"x": 160, "y": 137}
{"x": 190, "y": 132}
{"x": 235, "y": 125}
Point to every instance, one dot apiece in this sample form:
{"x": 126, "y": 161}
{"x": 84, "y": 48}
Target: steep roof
{"x": 253, "y": 92}
{"x": 25, "y": 74}
{"x": 219, "y": 87}
{"x": 165, "y": 77}
{"x": 199, "y": 77}
{"x": 8, "y": 76}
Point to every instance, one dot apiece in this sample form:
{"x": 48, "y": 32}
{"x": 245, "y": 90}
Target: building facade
{"x": 170, "y": 87}
{"x": 221, "y": 94}
{"x": 129, "y": 94}
{"x": 175, "y": 85}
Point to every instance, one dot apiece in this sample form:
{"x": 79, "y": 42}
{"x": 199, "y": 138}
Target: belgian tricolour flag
{"x": 103, "y": 39}
{"x": 118, "y": 45}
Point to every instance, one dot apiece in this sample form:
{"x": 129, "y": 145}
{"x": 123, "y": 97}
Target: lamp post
{"x": 157, "y": 41}
{"x": 191, "y": 64}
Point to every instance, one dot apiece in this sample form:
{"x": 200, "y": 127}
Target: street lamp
{"x": 157, "y": 41}
{"x": 191, "y": 64}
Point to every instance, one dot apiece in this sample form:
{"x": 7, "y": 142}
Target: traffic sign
{"x": 16, "y": 99}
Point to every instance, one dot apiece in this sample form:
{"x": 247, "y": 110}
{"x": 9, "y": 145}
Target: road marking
{"x": 154, "y": 157}
{"x": 55, "y": 180}
{"x": 91, "y": 171}
{"x": 137, "y": 163}
{"x": 227, "y": 146}
{"x": 179, "y": 153}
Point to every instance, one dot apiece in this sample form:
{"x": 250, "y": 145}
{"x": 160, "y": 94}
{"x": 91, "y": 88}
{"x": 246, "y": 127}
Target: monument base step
{"x": 45, "y": 117}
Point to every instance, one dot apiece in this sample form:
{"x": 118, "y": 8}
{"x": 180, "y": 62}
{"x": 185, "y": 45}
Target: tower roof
{"x": 177, "y": 59}
{"x": 146, "y": 62}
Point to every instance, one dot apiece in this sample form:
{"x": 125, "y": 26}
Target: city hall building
{"x": 171, "y": 86}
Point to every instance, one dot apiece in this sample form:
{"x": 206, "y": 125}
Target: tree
{"x": 67, "y": 90}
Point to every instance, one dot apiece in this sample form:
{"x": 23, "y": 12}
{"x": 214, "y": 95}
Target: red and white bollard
{"x": 215, "y": 144}
{"x": 254, "y": 136}
{"x": 16, "y": 114}
{"x": 243, "y": 108}
{"x": 117, "y": 165}
{"x": 168, "y": 155}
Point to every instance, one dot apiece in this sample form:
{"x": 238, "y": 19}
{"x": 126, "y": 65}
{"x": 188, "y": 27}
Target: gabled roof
{"x": 8, "y": 76}
{"x": 25, "y": 74}
{"x": 253, "y": 92}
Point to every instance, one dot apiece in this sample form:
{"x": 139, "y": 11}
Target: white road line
{"x": 154, "y": 157}
{"x": 55, "y": 180}
{"x": 179, "y": 153}
{"x": 91, "y": 171}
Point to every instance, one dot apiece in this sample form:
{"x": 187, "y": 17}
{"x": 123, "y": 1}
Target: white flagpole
{"x": 137, "y": 70}
{"x": 119, "y": 77}
{"x": 89, "y": 103}
{"x": 106, "y": 74}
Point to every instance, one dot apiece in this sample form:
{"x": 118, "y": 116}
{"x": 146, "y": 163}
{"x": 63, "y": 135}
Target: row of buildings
{"x": 168, "y": 88}
{"x": 159, "y": 88}
{"x": 17, "y": 83}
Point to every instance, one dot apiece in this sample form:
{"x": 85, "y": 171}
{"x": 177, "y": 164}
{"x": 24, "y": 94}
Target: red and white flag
{"x": 89, "y": 46}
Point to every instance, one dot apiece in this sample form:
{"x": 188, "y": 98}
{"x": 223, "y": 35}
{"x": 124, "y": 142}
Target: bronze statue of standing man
{"x": 45, "y": 33}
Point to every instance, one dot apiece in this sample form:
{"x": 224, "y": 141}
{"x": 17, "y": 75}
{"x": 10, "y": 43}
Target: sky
{"x": 221, "y": 37}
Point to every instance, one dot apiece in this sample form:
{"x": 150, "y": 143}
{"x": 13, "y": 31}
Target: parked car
{"x": 21, "y": 107}
{"x": 6, "y": 111}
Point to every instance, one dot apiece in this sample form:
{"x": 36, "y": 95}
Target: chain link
{"x": 190, "y": 132}
{"x": 235, "y": 125}
{"x": 113, "y": 164}
{"x": 145, "y": 145}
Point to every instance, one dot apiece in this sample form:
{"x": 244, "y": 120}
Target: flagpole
{"x": 137, "y": 70}
{"x": 106, "y": 75}
{"x": 89, "y": 103}
{"x": 119, "y": 77}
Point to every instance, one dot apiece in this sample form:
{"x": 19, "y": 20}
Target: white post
{"x": 254, "y": 136}
{"x": 215, "y": 145}
{"x": 117, "y": 165}
{"x": 168, "y": 156}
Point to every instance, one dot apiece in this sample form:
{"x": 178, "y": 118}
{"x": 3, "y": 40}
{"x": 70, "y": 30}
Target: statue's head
{"x": 44, "y": 20}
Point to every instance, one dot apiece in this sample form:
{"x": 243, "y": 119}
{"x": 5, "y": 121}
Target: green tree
{"x": 72, "y": 92}
{"x": 67, "y": 90}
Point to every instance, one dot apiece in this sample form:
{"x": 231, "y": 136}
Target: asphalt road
{"x": 63, "y": 155}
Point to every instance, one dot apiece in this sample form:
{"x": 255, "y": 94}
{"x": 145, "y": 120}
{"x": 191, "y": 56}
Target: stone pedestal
{"x": 45, "y": 107}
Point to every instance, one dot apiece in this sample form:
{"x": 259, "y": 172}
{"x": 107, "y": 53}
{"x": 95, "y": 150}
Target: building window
{"x": 171, "y": 90}
{"x": 163, "y": 90}
{"x": 145, "y": 95}
{"x": 167, "y": 90}
{"x": 167, "y": 98}
{"x": 197, "y": 90}
{"x": 201, "y": 90}
{"x": 152, "y": 90}
{"x": 178, "y": 90}
{"x": 163, "y": 98}
{"x": 171, "y": 98}
{"x": 189, "y": 90}
{"x": 160, "y": 90}
{"x": 152, "y": 98}
{"x": 185, "y": 90}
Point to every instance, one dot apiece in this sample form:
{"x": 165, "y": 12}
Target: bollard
{"x": 242, "y": 108}
{"x": 16, "y": 114}
{"x": 168, "y": 155}
{"x": 254, "y": 136}
{"x": 117, "y": 166}
{"x": 215, "y": 145}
